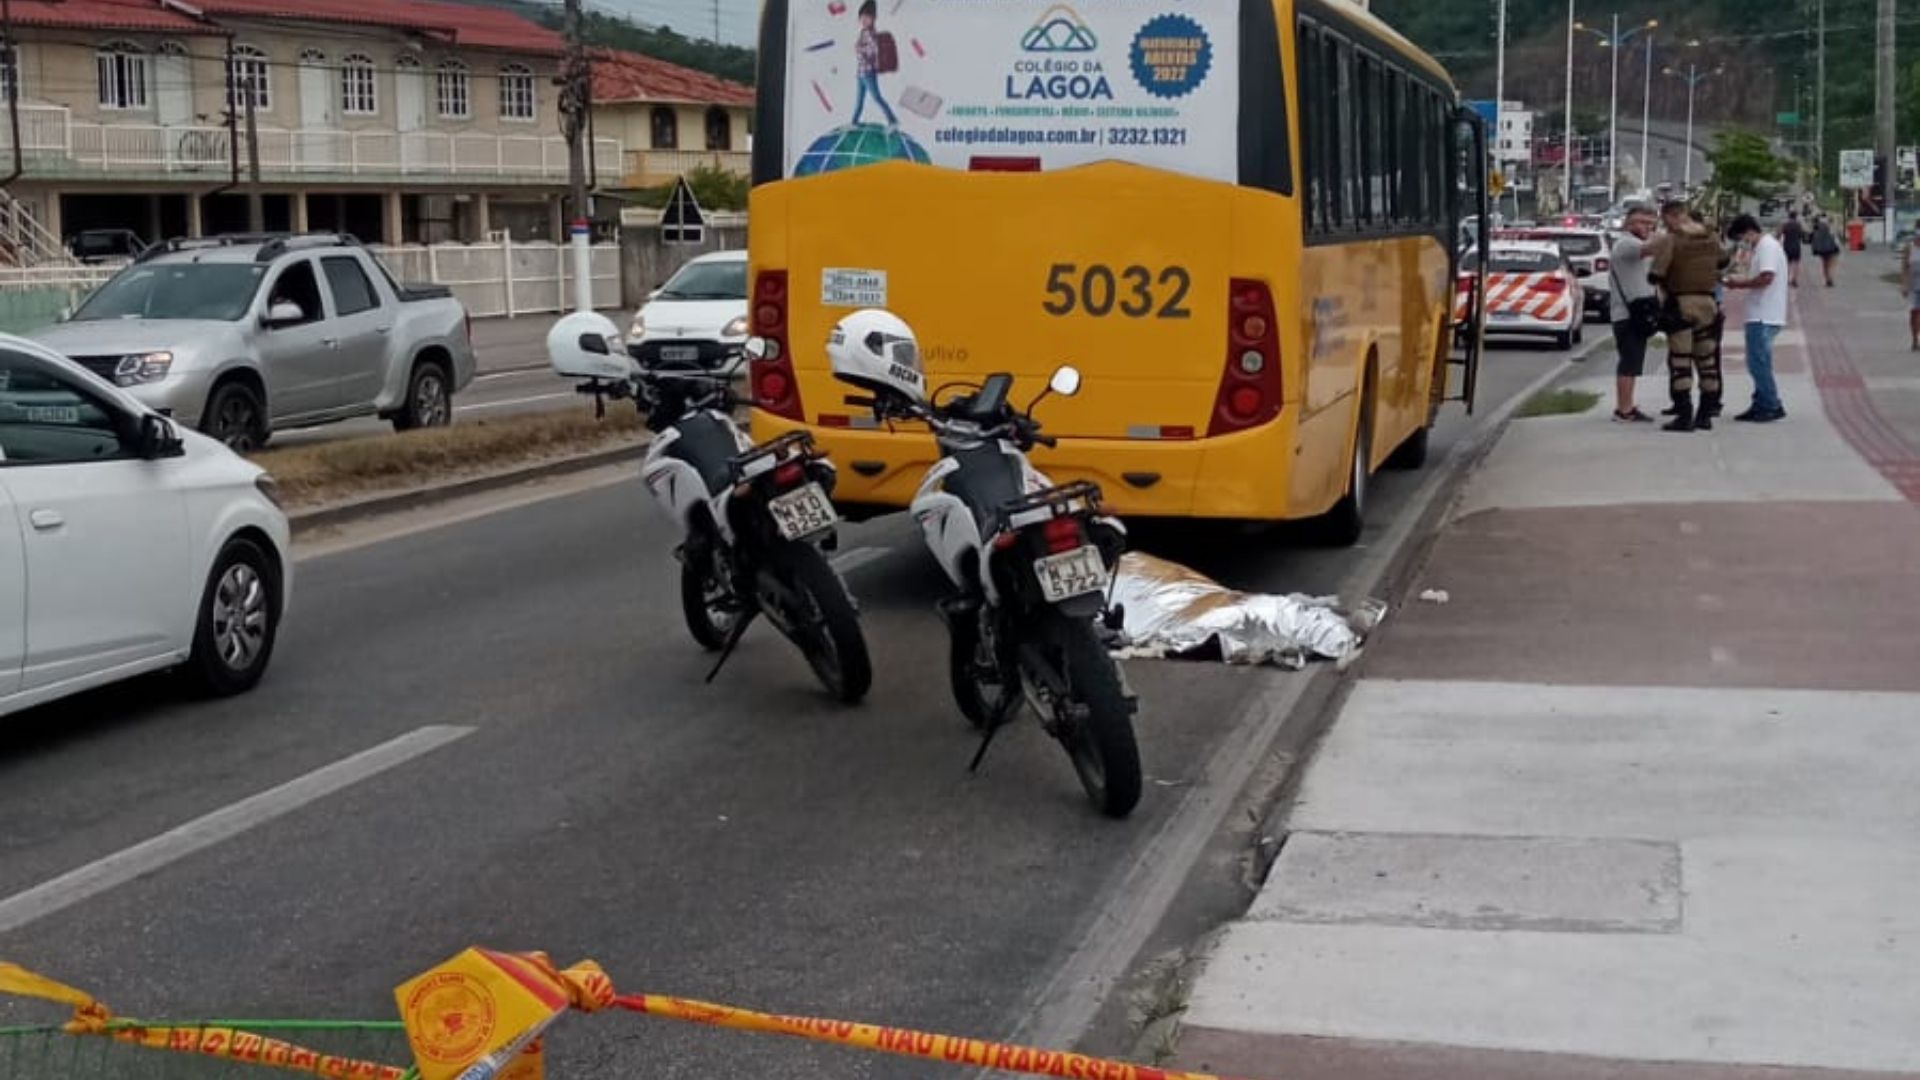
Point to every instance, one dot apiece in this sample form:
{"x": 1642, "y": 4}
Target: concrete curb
{"x": 307, "y": 521}
{"x": 1087, "y": 987}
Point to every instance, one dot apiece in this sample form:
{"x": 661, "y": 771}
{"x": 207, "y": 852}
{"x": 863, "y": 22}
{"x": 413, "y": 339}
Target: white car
{"x": 698, "y": 317}
{"x": 1531, "y": 292}
{"x": 127, "y": 545}
{"x": 1590, "y": 253}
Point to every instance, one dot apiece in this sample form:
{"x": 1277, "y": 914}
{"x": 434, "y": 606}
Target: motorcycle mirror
{"x": 1065, "y": 380}
{"x": 757, "y": 348}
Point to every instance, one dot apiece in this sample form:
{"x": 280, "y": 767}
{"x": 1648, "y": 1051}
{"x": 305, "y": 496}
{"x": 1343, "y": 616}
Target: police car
{"x": 1589, "y": 251}
{"x": 1532, "y": 291}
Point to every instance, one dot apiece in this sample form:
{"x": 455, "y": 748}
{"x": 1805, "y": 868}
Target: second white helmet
{"x": 876, "y": 350}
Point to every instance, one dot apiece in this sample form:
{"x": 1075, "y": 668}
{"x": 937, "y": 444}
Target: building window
{"x": 517, "y": 101}
{"x": 9, "y": 73}
{"x": 666, "y": 128}
{"x": 123, "y": 76}
{"x": 719, "y": 129}
{"x": 249, "y": 78}
{"x": 453, "y": 90}
{"x": 357, "y": 96}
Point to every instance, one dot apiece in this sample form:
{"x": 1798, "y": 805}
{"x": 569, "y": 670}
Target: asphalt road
{"x": 747, "y": 841}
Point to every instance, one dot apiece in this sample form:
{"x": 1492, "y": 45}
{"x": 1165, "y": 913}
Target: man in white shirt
{"x": 1767, "y": 282}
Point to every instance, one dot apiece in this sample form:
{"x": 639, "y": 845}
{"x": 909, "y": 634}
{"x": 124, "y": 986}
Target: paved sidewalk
{"x": 1641, "y": 800}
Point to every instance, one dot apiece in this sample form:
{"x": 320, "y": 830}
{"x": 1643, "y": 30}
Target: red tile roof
{"x": 475, "y": 26}
{"x": 108, "y": 15}
{"x": 626, "y": 76}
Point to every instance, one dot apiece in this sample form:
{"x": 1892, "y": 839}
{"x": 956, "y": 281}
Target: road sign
{"x": 1856, "y": 169}
{"x": 1788, "y": 119}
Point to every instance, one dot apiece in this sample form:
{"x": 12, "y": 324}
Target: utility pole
{"x": 1820, "y": 92}
{"x": 1883, "y": 112}
{"x": 716, "y": 22}
{"x": 1566, "y": 157}
{"x": 256, "y": 209}
{"x": 576, "y": 83}
{"x": 1499, "y": 88}
{"x": 1613, "y": 118}
{"x": 12, "y": 75}
{"x": 1646, "y": 120}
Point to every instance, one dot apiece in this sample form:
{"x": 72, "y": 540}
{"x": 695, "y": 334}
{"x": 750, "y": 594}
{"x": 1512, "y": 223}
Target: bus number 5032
{"x": 1135, "y": 292}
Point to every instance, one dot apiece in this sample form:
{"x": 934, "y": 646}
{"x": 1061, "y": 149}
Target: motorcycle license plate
{"x": 802, "y": 512}
{"x": 679, "y": 352}
{"x": 1070, "y": 574}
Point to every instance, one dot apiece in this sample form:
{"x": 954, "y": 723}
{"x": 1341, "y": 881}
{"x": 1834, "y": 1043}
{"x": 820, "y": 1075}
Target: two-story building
{"x": 396, "y": 120}
{"x": 670, "y": 119}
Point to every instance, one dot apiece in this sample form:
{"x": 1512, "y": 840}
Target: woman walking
{"x": 1792, "y": 235}
{"x": 1826, "y": 247}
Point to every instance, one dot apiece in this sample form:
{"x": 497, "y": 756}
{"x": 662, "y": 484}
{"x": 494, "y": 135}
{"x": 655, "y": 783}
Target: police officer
{"x": 1687, "y": 263}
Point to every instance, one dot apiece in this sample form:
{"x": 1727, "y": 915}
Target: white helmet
{"x": 875, "y": 350}
{"x": 587, "y": 345}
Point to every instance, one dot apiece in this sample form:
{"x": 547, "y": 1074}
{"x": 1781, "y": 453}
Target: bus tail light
{"x": 775, "y": 387}
{"x": 1250, "y": 388}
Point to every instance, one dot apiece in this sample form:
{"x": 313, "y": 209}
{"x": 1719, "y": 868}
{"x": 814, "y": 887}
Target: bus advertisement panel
{"x": 952, "y": 82}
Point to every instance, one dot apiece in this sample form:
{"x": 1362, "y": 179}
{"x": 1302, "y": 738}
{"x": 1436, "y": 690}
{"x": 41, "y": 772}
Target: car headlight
{"x": 639, "y": 328}
{"x": 142, "y": 368}
{"x": 736, "y": 328}
{"x": 269, "y": 489}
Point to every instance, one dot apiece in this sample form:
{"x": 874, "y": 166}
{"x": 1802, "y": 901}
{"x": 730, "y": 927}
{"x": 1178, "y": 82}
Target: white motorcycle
{"x": 1031, "y": 564}
{"x": 754, "y": 518}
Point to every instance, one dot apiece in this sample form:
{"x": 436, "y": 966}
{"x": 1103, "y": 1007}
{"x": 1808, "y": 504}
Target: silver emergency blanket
{"x": 1171, "y": 610}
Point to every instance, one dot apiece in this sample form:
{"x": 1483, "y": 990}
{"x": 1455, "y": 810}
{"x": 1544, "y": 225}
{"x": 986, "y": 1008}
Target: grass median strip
{"x": 1559, "y": 403}
{"x": 331, "y": 473}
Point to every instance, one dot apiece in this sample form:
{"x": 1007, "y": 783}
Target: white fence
{"x": 506, "y": 278}
{"x": 202, "y": 149}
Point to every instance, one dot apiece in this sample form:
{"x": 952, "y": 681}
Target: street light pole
{"x": 1646, "y": 119}
{"x": 1613, "y": 116}
{"x": 1693, "y": 78}
{"x": 1566, "y": 156}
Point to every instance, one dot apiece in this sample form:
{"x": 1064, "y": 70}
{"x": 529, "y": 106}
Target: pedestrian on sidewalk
{"x": 1910, "y": 285}
{"x": 1766, "y": 280}
{"x": 1635, "y": 310}
{"x": 1792, "y": 236}
{"x": 1826, "y": 247}
{"x": 1687, "y": 264}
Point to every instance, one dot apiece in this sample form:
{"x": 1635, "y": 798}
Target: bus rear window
{"x": 974, "y": 86}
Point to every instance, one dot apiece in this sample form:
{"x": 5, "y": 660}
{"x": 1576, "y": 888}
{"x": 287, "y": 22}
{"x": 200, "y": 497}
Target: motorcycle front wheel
{"x": 706, "y": 597}
{"x": 827, "y": 628}
{"x": 1100, "y": 741}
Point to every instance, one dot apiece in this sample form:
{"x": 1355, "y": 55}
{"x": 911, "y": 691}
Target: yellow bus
{"x": 1241, "y": 219}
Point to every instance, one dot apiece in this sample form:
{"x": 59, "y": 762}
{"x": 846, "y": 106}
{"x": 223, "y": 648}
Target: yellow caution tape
{"x": 90, "y": 1017}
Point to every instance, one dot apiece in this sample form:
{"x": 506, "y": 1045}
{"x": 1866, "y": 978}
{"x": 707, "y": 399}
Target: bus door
{"x": 1468, "y": 166}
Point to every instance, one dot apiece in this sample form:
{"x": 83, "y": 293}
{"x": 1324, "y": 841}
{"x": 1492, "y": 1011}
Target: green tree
{"x": 1745, "y": 166}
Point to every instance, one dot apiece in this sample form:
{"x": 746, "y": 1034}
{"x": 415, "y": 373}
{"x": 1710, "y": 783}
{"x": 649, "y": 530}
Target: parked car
{"x": 240, "y": 336}
{"x": 126, "y": 544}
{"x": 1532, "y": 291}
{"x": 96, "y": 246}
{"x": 698, "y": 316}
{"x": 1587, "y": 249}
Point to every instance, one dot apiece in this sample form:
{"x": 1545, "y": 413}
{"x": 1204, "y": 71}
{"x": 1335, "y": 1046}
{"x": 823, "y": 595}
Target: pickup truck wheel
{"x": 236, "y": 416}
{"x": 429, "y": 399}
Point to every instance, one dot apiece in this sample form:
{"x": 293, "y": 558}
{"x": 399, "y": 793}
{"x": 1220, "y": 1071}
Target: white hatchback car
{"x": 698, "y": 317}
{"x": 126, "y": 544}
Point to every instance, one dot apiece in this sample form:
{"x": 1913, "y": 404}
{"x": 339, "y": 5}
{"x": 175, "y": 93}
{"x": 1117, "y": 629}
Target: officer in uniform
{"x": 1687, "y": 264}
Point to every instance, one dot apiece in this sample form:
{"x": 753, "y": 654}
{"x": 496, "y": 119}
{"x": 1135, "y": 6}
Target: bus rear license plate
{"x": 679, "y": 352}
{"x": 802, "y": 512}
{"x": 1070, "y": 574}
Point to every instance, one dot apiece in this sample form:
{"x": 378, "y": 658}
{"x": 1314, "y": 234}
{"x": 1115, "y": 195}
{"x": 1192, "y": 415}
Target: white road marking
{"x": 848, "y": 561}
{"x": 225, "y": 823}
{"x": 515, "y": 401}
{"x": 520, "y": 374}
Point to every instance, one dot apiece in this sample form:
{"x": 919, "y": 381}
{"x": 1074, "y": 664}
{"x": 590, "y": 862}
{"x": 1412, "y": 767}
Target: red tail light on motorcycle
{"x": 790, "y": 475}
{"x": 1251, "y": 387}
{"x": 1062, "y": 534}
{"x": 775, "y": 387}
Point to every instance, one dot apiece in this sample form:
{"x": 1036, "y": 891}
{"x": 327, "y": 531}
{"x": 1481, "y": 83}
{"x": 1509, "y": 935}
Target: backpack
{"x": 889, "y": 59}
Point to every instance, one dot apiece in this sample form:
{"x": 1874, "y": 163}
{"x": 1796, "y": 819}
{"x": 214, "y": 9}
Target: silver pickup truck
{"x": 238, "y": 336}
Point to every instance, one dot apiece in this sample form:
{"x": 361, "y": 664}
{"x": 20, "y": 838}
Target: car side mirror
{"x": 284, "y": 313}
{"x": 654, "y": 294}
{"x": 158, "y": 438}
{"x": 1065, "y": 381}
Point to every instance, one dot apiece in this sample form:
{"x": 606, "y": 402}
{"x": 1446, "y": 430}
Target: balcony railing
{"x": 79, "y": 147}
{"x": 647, "y": 168}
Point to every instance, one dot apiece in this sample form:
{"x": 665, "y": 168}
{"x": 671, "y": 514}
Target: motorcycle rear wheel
{"x": 828, "y": 634}
{"x": 1100, "y": 743}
